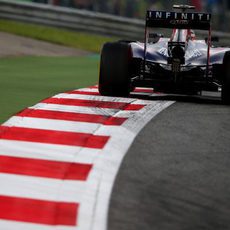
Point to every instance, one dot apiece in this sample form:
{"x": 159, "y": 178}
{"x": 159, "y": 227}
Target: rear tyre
{"x": 225, "y": 95}
{"x": 115, "y": 66}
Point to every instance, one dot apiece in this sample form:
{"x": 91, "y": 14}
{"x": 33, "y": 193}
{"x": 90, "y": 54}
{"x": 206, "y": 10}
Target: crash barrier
{"x": 81, "y": 20}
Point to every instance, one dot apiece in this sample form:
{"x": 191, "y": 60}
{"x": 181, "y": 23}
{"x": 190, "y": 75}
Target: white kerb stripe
{"x": 48, "y": 151}
{"x": 75, "y": 109}
{"x": 94, "y": 98}
{"x": 49, "y": 124}
{"x": 41, "y": 188}
{"x": 16, "y": 225}
{"x": 93, "y": 90}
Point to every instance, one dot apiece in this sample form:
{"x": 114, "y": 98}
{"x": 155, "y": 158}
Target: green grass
{"x": 89, "y": 42}
{"x": 25, "y": 81}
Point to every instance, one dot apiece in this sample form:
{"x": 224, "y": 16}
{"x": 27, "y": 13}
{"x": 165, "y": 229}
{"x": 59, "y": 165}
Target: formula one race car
{"x": 179, "y": 64}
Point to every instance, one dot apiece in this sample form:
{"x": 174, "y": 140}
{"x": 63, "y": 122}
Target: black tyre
{"x": 115, "y": 66}
{"x": 225, "y": 95}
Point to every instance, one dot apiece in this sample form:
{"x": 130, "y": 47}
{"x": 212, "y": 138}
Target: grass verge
{"x": 25, "y": 81}
{"x": 85, "y": 41}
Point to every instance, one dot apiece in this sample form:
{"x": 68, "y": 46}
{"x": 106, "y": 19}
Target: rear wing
{"x": 179, "y": 20}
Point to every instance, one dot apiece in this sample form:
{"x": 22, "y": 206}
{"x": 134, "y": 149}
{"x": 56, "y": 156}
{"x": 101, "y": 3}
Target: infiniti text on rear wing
{"x": 178, "y": 20}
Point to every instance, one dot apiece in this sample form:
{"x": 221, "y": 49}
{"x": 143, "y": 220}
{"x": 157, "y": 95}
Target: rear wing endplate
{"x": 179, "y": 20}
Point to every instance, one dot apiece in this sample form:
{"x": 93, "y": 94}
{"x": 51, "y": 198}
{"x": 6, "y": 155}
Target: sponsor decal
{"x": 179, "y": 22}
{"x": 164, "y": 52}
{"x": 178, "y": 16}
{"x": 193, "y": 54}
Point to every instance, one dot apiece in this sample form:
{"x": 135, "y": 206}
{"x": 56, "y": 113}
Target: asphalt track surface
{"x": 176, "y": 175}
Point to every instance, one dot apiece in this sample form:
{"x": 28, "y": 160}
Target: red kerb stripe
{"x": 38, "y": 211}
{"x": 83, "y": 92}
{"x": 44, "y": 168}
{"x": 53, "y": 137}
{"x": 68, "y": 116}
{"x": 90, "y": 103}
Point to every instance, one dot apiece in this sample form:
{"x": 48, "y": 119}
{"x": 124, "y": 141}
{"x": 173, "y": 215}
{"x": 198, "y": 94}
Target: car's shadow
{"x": 205, "y": 99}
